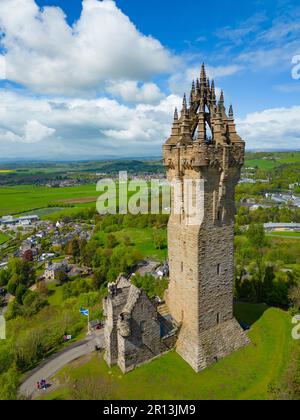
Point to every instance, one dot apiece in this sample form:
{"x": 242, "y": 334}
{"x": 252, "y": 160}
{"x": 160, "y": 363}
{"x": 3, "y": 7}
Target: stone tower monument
{"x": 204, "y": 151}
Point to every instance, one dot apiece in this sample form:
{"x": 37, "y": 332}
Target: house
{"x": 47, "y": 256}
{"x": 27, "y": 255}
{"x": 19, "y": 221}
{"x": 53, "y": 269}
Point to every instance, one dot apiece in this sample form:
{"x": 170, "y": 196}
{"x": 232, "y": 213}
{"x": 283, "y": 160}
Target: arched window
{"x": 208, "y": 132}
{"x": 195, "y": 135}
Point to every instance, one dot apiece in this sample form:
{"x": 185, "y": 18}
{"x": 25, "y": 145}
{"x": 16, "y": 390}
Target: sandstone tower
{"x": 204, "y": 148}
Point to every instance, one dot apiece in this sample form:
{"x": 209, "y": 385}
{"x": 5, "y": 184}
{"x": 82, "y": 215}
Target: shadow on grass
{"x": 249, "y": 313}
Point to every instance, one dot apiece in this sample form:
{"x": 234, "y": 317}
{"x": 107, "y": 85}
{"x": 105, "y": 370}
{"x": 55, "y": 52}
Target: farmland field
{"x": 25, "y": 198}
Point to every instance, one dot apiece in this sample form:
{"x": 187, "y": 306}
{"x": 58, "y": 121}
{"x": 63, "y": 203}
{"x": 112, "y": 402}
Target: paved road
{"x": 148, "y": 268}
{"x": 51, "y": 366}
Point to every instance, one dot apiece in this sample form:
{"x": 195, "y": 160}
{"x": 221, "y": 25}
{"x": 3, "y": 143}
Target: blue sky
{"x": 94, "y": 79}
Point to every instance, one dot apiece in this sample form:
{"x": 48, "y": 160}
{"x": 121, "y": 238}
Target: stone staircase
{"x": 163, "y": 310}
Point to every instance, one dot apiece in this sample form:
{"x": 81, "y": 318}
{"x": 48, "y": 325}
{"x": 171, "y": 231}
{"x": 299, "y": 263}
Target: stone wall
{"x": 133, "y": 330}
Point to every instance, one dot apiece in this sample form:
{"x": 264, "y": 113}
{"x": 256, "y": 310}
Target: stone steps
{"x": 163, "y": 310}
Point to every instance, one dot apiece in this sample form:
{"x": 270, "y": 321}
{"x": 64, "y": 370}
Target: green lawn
{"x": 3, "y": 238}
{"x": 142, "y": 240}
{"x": 247, "y": 374}
{"x": 56, "y": 297}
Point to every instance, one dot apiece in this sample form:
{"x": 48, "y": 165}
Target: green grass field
{"x": 273, "y": 161}
{"x": 3, "y": 238}
{"x": 247, "y": 374}
{"x": 24, "y": 198}
{"x": 142, "y": 240}
{"x": 56, "y": 295}
{"x": 285, "y": 235}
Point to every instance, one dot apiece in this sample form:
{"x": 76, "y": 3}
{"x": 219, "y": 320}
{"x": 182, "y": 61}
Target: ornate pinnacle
{"x": 176, "y": 114}
{"x": 230, "y": 112}
{"x": 221, "y": 101}
{"x": 191, "y": 98}
{"x": 213, "y": 92}
{"x": 175, "y": 129}
{"x": 184, "y": 104}
{"x": 213, "y": 85}
{"x": 203, "y": 73}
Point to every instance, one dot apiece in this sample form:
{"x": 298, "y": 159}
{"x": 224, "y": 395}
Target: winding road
{"x": 51, "y": 366}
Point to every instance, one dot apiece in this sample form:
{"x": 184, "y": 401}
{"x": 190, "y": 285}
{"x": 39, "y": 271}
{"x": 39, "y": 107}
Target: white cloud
{"x": 272, "y": 128}
{"x": 2, "y": 68}
{"x": 130, "y": 91}
{"x": 33, "y": 132}
{"x": 47, "y": 55}
{"x": 72, "y": 128}
{"x": 263, "y": 43}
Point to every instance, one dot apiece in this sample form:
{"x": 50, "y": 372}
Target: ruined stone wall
{"x": 113, "y": 306}
{"x": 144, "y": 341}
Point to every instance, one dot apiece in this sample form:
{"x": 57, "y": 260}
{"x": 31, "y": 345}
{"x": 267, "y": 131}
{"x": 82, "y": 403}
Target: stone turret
{"x": 201, "y": 254}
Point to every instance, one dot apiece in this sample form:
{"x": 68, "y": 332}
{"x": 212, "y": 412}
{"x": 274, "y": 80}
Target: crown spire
{"x": 176, "y": 125}
{"x": 184, "y": 103}
{"x": 213, "y": 85}
{"x": 176, "y": 114}
{"x": 203, "y": 73}
{"x": 221, "y": 101}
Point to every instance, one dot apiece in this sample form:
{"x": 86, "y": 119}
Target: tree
{"x": 268, "y": 283}
{"x": 111, "y": 241}
{"x": 62, "y": 277}
{"x": 8, "y": 384}
{"x": 20, "y": 292}
{"x": 160, "y": 239}
{"x": 4, "y": 277}
{"x": 294, "y": 296}
{"x": 32, "y": 303}
{"x": 256, "y": 235}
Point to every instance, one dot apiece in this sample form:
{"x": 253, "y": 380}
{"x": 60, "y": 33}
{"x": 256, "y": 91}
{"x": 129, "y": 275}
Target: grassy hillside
{"x": 247, "y": 374}
{"x": 267, "y": 161}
